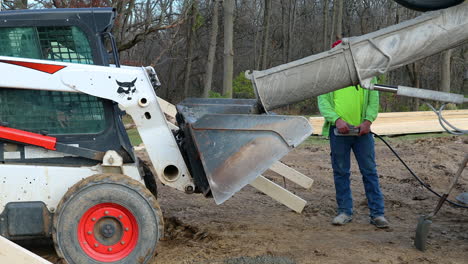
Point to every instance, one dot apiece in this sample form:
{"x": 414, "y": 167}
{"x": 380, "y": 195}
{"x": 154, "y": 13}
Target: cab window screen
{"x": 19, "y": 42}
{"x": 67, "y": 44}
{"x": 53, "y": 112}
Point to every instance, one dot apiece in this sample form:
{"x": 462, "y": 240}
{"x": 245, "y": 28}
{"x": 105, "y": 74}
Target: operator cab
{"x": 66, "y": 35}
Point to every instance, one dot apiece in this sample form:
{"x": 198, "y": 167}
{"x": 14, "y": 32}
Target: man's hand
{"x": 342, "y": 126}
{"x": 364, "y": 127}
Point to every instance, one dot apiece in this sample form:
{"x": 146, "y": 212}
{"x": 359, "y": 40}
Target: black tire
{"x": 428, "y": 5}
{"x": 107, "y": 218}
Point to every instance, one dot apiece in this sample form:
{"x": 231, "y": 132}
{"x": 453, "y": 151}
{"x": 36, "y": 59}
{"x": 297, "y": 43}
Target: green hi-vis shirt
{"x": 352, "y": 114}
{"x": 348, "y": 104}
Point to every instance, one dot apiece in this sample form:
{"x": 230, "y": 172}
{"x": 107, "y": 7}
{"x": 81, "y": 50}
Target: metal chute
{"x": 358, "y": 59}
{"x": 233, "y": 143}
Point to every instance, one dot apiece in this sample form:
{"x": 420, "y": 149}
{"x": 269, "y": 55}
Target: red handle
{"x": 28, "y": 137}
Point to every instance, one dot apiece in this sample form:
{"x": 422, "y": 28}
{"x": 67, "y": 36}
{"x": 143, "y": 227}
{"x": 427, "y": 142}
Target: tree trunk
{"x": 445, "y": 71}
{"x": 124, "y": 11}
{"x": 284, "y": 29}
{"x": 212, "y": 50}
{"x": 266, "y": 33}
{"x": 190, "y": 44}
{"x": 417, "y": 83}
{"x": 325, "y": 25}
{"x": 228, "y": 47}
{"x": 339, "y": 21}
{"x": 291, "y": 23}
{"x": 332, "y": 33}
{"x": 465, "y": 79}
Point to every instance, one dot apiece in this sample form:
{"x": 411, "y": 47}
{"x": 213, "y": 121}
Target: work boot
{"x": 342, "y": 219}
{"x": 379, "y": 222}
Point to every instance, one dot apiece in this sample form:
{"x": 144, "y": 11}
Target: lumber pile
{"x": 400, "y": 123}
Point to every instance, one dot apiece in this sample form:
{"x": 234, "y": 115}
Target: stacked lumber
{"x": 400, "y": 123}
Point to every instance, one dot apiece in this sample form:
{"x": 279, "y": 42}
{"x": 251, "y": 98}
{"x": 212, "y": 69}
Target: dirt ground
{"x": 253, "y": 228}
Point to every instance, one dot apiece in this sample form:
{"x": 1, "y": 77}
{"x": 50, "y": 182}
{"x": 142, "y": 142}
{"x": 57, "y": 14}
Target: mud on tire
{"x": 107, "y": 218}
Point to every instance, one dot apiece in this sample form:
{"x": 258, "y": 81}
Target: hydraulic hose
{"x": 425, "y": 185}
{"x": 442, "y": 121}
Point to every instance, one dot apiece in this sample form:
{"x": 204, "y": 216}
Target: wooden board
{"x": 279, "y": 194}
{"x": 12, "y": 253}
{"x": 292, "y": 175}
{"x": 399, "y": 123}
{"x": 167, "y": 107}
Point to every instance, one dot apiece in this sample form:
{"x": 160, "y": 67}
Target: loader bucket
{"x": 233, "y": 143}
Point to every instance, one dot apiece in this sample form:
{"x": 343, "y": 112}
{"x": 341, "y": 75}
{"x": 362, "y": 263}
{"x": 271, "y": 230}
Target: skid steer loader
{"x": 68, "y": 170}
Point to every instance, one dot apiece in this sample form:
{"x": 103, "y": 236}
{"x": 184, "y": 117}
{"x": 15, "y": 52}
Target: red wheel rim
{"x": 108, "y": 232}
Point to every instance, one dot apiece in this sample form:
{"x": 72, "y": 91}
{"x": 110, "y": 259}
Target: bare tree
{"x": 414, "y": 70}
{"x": 288, "y": 16}
{"x": 266, "y": 32}
{"x": 339, "y": 21}
{"x": 326, "y": 7}
{"x": 191, "y": 27}
{"x": 14, "y": 4}
{"x": 291, "y": 27}
{"x": 332, "y": 33}
{"x": 135, "y": 21}
{"x": 465, "y": 77}
{"x": 212, "y": 49}
{"x": 445, "y": 71}
{"x": 228, "y": 47}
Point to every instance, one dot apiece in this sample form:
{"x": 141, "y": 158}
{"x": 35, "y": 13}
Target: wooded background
{"x": 201, "y": 48}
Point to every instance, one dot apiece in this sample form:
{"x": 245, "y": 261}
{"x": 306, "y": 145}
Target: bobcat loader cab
{"x": 67, "y": 168}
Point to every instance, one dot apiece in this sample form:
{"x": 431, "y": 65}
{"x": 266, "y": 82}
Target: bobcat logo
{"x": 126, "y": 89}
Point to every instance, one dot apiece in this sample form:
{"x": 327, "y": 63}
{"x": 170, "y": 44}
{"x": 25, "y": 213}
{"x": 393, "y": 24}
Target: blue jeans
{"x": 363, "y": 148}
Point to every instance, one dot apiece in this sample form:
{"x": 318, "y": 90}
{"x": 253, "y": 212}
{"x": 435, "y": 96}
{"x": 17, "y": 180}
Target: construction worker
{"x": 349, "y": 113}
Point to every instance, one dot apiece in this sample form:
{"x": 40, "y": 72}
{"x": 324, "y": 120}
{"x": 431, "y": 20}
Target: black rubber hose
{"x": 416, "y": 177}
{"x": 428, "y": 5}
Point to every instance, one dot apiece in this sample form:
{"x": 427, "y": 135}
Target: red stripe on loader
{"x": 28, "y": 137}
{"x": 47, "y": 68}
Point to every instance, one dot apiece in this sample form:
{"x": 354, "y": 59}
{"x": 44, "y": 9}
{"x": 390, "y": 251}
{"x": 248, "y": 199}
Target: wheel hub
{"x": 108, "y": 232}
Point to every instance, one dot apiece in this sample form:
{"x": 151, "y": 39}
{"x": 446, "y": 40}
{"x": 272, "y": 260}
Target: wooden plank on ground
{"x": 292, "y": 175}
{"x": 167, "y": 107}
{"x": 399, "y": 123}
{"x": 279, "y": 193}
{"x": 12, "y": 253}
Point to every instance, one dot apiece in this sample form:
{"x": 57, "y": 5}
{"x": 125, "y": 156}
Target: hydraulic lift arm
{"x": 130, "y": 87}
